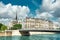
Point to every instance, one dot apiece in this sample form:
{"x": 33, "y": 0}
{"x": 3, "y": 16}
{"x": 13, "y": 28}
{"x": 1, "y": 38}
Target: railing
{"x": 41, "y": 29}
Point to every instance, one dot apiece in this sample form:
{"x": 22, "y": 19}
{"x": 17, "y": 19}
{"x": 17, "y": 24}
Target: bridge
{"x": 26, "y": 32}
{"x": 40, "y": 30}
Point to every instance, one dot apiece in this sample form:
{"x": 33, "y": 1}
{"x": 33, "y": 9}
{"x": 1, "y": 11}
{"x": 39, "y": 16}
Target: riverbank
{"x": 10, "y": 33}
{"x": 17, "y": 33}
{"x": 6, "y": 33}
{"x": 34, "y": 33}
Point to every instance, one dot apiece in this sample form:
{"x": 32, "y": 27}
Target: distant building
{"x": 36, "y": 23}
{"x": 51, "y": 25}
{"x": 15, "y": 21}
{"x": 56, "y": 26}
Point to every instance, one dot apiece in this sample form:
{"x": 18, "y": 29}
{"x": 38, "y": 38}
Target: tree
{"x": 16, "y": 26}
{"x": 4, "y": 28}
{"x": 0, "y": 25}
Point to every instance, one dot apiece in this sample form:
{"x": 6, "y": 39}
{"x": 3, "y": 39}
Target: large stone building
{"x": 36, "y": 23}
{"x": 56, "y": 26}
{"x": 15, "y": 21}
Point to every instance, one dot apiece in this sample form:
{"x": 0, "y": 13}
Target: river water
{"x": 33, "y": 37}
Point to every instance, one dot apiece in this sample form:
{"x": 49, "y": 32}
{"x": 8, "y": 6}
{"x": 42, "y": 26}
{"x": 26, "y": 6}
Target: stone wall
{"x": 5, "y": 33}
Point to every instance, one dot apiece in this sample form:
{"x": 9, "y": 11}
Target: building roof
{"x": 39, "y": 19}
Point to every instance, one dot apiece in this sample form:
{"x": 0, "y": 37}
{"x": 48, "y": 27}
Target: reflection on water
{"x": 24, "y": 38}
{"x": 45, "y": 37}
{"x": 20, "y": 38}
{"x": 6, "y": 38}
{"x": 33, "y": 37}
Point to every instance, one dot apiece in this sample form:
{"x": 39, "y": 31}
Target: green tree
{"x": 4, "y": 28}
{"x": 0, "y": 25}
{"x": 16, "y": 26}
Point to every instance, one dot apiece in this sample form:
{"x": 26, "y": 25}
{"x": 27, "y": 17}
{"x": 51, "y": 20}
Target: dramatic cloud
{"x": 44, "y": 15}
{"x": 52, "y": 7}
{"x": 9, "y": 11}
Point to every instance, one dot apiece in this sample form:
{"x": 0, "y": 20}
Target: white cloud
{"x": 9, "y": 11}
{"x": 58, "y": 20}
{"x": 50, "y": 7}
{"x": 56, "y": 23}
{"x": 5, "y": 21}
{"x": 44, "y": 15}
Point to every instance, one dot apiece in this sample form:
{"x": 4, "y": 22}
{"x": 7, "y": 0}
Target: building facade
{"x": 36, "y": 23}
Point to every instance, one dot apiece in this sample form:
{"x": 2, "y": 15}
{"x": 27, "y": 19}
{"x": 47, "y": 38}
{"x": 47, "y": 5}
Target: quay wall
{"x": 5, "y": 33}
{"x": 16, "y": 32}
{"x": 34, "y": 33}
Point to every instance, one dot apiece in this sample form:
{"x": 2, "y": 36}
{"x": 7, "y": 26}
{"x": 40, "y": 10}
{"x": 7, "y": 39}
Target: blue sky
{"x": 32, "y": 4}
{"x": 46, "y": 9}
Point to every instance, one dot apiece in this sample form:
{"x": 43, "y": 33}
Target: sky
{"x": 46, "y": 9}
